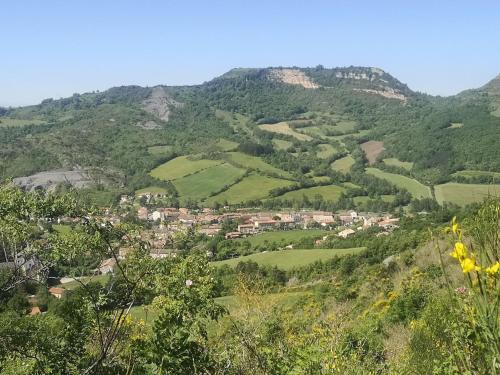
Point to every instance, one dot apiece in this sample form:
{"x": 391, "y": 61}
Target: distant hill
{"x": 114, "y": 132}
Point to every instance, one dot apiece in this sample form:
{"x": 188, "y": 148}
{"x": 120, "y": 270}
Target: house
{"x": 57, "y": 292}
{"x": 142, "y": 213}
{"x": 160, "y": 253}
{"x": 35, "y": 310}
{"x": 264, "y": 224}
{"x": 346, "y": 233}
{"x": 389, "y": 224}
{"x": 106, "y": 266}
{"x": 210, "y": 230}
{"x": 231, "y": 235}
{"x": 246, "y": 228}
{"x": 157, "y": 215}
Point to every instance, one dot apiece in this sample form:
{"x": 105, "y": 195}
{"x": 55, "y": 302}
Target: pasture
{"x": 252, "y": 187}
{"x": 151, "y": 190}
{"x": 416, "y": 189}
{"x": 328, "y": 192}
{"x": 288, "y": 259}
{"x": 226, "y": 145}
{"x": 463, "y": 194}
{"x": 284, "y": 128}
{"x": 207, "y": 181}
{"x": 325, "y": 151}
{"x": 398, "y": 163}
{"x": 343, "y": 164}
{"x": 254, "y": 162}
{"x": 180, "y": 167}
{"x": 363, "y": 199}
{"x": 473, "y": 173}
{"x": 283, "y": 238}
{"x": 281, "y": 144}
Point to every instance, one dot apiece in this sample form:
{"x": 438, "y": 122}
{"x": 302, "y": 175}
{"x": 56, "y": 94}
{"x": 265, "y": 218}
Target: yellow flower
{"x": 454, "y": 225}
{"x": 460, "y": 251}
{"x": 493, "y": 269}
{"x": 469, "y": 265}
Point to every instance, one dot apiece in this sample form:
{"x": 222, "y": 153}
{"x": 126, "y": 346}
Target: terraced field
{"x": 252, "y": 187}
{"x": 226, "y": 145}
{"x": 281, "y": 144}
{"x": 415, "y": 188}
{"x": 284, "y": 128}
{"x": 254, "y": 162}
{"x": 343, "y": 164}
{"x": 288, "y": 259}
{"x": 180, "y": 167}
{"x": 463, "y": 194}
{"x": 326, "y": 150}
{"x": 398, "y": 163}
{"x": 328, "y": 192}
{"x": 201, "y": 185}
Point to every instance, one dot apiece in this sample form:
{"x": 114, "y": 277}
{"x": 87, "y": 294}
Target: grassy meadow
{"x": 283, "y": 237}
{"x": 415, "y": 188}
{"x": 343, "y": 164}
{"x": 463, "y": 194}
{"x": 180, "y": 167}
{"x": 207, "y": 181}
{"x": 288, "y": 259}
{"x": 284, "y": 128}
{"x": 328, "y": 192}
{"x": 398, "y": 163}
{"x": 254, "y": 162}
{"x": 252, "y": 187}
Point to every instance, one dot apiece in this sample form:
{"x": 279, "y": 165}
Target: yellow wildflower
{"x": 460, "y": 251}
{"x": 469, "y": 265}
{"x": 493, "y": 269}
{"x": 454, "y": 225}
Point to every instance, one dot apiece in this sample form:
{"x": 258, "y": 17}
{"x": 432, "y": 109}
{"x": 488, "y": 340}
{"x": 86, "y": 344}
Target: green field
{"x": 151, "y": 190}
{"x": 319, "y": 179}
{"x": 363, "y": 199}
{"x": 200, "y": 185}
{"x": 398, "y": 163}
{"x": 344, "y": 126}
{"x": 343, "y": 164}
{"x": 325, "y": 151}
{"x": 226, "y": 145}
{"x": 7, "y": 121}
{"x": 288, "y": 259}
{"x": 254, "y": 162}
{"x": 415, "y": 188}
{"x": 280, "y": 144}
{"x": 180, "y": 167}
{"x": 252, "y": 187}
{"x": 102, "y": 279}
{"x": 284, "y": 128}
{"x": 160, "y": 150}
{"x": 463, "y": 194}
{"x": 473, "y": 173}
{"x": 328, "y": 192}
{"x": 237, "y": 121}
{"x": 283, "y": 237}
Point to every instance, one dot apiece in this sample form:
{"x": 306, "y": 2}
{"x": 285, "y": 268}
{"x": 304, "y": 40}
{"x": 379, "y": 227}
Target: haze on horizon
{"x": 57, "y": 49}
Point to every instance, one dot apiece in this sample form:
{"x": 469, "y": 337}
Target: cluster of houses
{"x": 249, "y": 223}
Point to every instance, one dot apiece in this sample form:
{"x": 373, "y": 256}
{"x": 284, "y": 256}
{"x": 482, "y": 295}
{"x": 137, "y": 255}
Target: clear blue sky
{"x": 55, "y": 48}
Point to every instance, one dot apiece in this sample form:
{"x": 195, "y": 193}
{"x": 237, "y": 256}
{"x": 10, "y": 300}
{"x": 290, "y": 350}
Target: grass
{"x": 237, "y": 121}
{"x": 288, "y": 259}
{"x": 398, "y": 163}
{"x": 328, "y": 192}
{"x": 284, "y": 128}
{"x": 473, "y": 173}
{"x": 280, "y": 144}
{"x": 208, "y": 181}
{"x": 363, "y": 199}
{"x": 283, "y": 237}
{"x": 180, "y": 167}
{"x": 102, "y": 279}
{"x": 7, "y": 121}
{"x": 160, "y": 150}
{"x": 343, "y": 164}
{"x": 463, "y": 194}
{"x": 226, "y": 145}
{"x": 319, "y": 179}
{"x": 252, "y": 187}
{"x": 325, "y": 151}
{"x": 254, "y": 162}
{"x": 344, "y": 126}
{"x": 151, "y": 190}
{"x": 415, "y": 188}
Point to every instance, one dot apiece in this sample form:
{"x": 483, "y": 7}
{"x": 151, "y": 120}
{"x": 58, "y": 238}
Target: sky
{"x": 52, "y": 49}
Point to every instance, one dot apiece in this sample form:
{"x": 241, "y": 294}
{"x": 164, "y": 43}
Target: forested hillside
{"x": 306, "y": 123}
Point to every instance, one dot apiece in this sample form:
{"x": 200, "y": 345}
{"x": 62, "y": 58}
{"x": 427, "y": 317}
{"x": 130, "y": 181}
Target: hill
{"x": 289, "y": 123}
